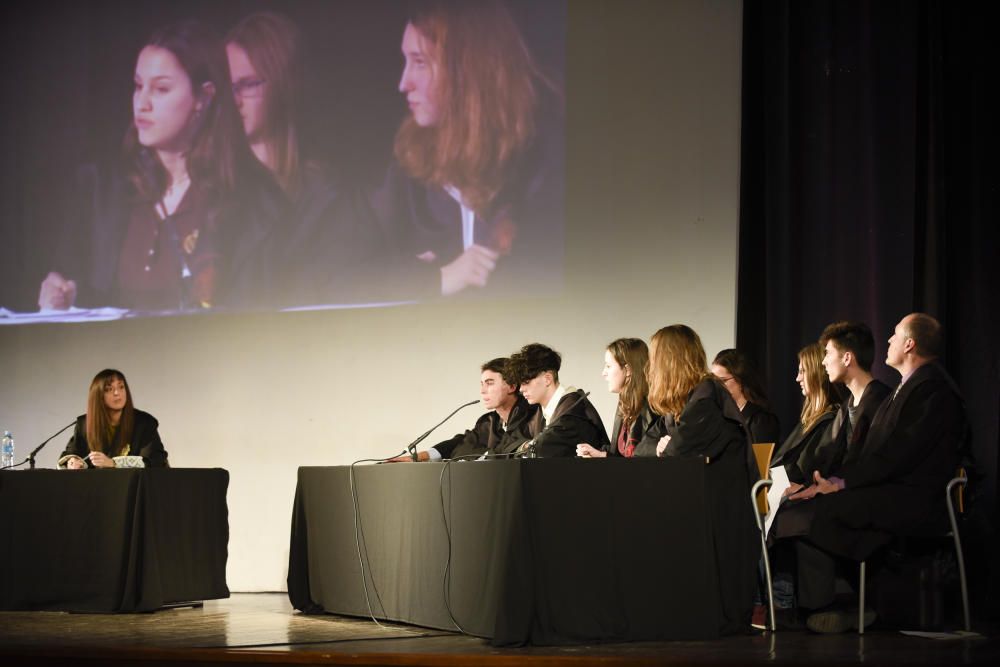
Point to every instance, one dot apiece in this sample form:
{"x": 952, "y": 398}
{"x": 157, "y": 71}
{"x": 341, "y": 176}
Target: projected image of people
{"x": 298, "y": 155}
{"x": 186, "y": 219}
{"x": 475, "y": 194}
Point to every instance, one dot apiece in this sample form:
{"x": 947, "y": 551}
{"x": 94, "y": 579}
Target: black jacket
{"x": 637, "y": 431}
{"x": 144, "y": 441}
{"x": 805, "y": 451}
{"x": 489, "y": 435}
{"x": 247, "y": 230}
{"x": 897, "y": 486}
{"x": 574, "y": 420}
{"x": 761, "y": 423}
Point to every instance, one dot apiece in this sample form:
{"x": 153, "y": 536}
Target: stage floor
{"x": 263, "y": 629}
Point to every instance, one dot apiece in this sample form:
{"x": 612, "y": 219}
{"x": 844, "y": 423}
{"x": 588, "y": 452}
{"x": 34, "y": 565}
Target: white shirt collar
{"x": 549, "y": 408}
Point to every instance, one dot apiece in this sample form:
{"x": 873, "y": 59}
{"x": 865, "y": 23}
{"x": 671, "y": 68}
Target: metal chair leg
{"x": 861, "y": 601}
{"x": 967, "y": 616}
{"x": 763, "y": 549}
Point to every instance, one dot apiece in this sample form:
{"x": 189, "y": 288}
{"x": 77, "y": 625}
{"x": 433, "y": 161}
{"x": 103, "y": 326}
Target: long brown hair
{"x": 819, "y": 398}
{"x": 633, "y": 356}
{"x": 677, "y": 364}
{"x": 488, "y": 87}
{"x": 271, "y": 42}
{"x": 99, "y": 428}
{"x": 219, "y": 149}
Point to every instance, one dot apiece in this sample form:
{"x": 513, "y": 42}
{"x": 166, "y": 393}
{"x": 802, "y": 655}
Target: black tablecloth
{"x": 112, "y": 540}
{"x": 546, "y": 551}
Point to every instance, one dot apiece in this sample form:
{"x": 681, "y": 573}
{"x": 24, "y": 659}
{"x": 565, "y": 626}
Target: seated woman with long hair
{"x": 188, "y": 218}
{"x": 476, "y": 189}
{"x": 809, "y": 447}
{"x": 699, "y": 419}
{"x": 113, "y": 434}
{"x": 697, "y": 416}
{"x": 739, "y": 376}
{"x": 625, "y": 361}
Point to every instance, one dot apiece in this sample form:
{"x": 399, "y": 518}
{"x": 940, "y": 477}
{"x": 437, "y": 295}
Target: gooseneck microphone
{"x": 412, "y": 447}
{"x": 31, "y": 457}
{"x": 529, "y": 447}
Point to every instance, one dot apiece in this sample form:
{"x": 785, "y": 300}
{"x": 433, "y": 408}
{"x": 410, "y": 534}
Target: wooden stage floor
{"x": 262, "y": 629}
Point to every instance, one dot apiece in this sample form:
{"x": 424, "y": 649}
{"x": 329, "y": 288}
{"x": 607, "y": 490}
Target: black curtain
{"x": 865, "y": 195}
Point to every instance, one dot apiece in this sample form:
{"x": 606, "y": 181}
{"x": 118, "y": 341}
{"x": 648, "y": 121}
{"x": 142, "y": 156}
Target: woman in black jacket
{"x": 113, "y": 434}
{"x": 625, "y": 362}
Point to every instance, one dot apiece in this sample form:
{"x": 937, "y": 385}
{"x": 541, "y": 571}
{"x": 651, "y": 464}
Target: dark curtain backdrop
{"x": 865, "y": 195}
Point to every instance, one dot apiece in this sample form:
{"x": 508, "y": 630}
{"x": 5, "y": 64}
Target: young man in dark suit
{"x": 849, "y": 351}
{"x": 566, "y": 417}
{"x": 501, "y": 430}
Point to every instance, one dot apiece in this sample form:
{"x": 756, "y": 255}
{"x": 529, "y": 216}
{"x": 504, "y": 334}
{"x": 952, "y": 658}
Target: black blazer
{"x": 488, "y": 435}
{"x": 849, "y": 439}
{"x": 144, "y": 441}
{"x": 574, "y": 420}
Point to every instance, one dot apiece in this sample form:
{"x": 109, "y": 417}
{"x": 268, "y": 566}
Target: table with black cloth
{"x": 101, "y": 540}
{"x": 543, "y": 551}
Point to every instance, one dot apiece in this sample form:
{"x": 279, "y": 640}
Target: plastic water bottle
{"x": 7, "y": 451}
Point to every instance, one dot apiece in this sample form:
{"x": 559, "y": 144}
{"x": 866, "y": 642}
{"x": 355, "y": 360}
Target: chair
{"x": 762, "y": 453}
{"x": 959, "y": 481}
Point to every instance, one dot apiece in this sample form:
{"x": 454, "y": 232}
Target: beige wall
{"x": 653, "y": 146}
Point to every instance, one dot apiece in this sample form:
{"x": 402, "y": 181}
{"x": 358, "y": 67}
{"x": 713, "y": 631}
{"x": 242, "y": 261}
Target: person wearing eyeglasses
{"x": 326, "y": 248}
{"x": 186, "y": 219}
{"x": 737, "y": 373}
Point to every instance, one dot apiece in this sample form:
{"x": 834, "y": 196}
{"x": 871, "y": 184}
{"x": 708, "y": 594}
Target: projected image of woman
{"x": 113, "y": 433}
{"x": 625, "y": 362}
{"x": 187, "y": 218}
{"x": 475, "y": 192}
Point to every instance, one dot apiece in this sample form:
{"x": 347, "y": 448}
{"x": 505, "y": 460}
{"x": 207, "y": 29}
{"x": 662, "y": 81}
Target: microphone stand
{"x": 31, "y": 456}
{"x": 412, "y": 447}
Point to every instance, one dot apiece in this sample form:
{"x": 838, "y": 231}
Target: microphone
{"x": 412, "y": 447}
{"x": 529, "y": 447}
{"x": 31, "y": 457}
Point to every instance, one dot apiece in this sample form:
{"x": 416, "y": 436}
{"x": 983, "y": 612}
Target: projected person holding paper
{"x": 187, "y": 219}
{"x": 113, "y": 434}
{"x": 500, "y": 431}
{"x": 625, "y": 363}
{"x": 474, "y": 197}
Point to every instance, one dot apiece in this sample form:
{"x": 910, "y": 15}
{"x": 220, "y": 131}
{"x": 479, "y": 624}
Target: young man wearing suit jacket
{"x": 500, "y": 431}
{"x": 566, "y": 417}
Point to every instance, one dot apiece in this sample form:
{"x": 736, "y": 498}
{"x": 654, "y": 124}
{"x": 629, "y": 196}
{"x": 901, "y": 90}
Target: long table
{"x": 544, "y": 551}
{"x": 112, "y": 540}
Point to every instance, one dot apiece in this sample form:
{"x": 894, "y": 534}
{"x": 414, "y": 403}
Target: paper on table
{"x": 775, "y": 495}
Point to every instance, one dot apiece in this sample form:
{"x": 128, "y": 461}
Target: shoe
{"x": 788, "y": 619}
{"x": 835, "y": 621}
